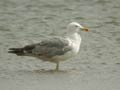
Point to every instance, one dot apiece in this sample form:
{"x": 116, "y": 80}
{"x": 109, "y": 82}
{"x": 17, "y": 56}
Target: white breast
{"x": 75, "y": 44}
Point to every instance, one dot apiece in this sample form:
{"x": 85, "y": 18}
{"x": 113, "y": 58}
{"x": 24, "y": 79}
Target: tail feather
{"x": 24, "y": 51}
{"x": 17, "y": 51}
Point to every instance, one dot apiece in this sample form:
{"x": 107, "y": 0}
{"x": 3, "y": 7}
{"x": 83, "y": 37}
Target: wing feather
{"x": 49, "y": 47}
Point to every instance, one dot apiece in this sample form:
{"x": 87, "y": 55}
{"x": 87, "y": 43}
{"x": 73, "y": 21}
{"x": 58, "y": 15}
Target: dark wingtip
{"x": 12, "y": 49}
{"x": 17, "y": 51}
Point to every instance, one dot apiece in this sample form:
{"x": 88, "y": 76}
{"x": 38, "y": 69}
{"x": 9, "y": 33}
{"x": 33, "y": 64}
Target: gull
{"x": 54, "y": 49}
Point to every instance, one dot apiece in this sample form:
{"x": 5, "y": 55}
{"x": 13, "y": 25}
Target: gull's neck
{"x": 73, "y": 36}
{"x": 74, "y": 41}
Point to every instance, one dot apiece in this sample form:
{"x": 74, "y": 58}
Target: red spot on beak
{"x": 85, "y": 29}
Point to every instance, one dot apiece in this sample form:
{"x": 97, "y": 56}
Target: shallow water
{"x": 96, "y": 67}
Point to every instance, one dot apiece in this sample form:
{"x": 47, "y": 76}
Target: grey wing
{"x": 51, "y": 47}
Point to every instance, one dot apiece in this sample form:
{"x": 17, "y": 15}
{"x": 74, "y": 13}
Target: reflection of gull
{"x": 55, "y": 49}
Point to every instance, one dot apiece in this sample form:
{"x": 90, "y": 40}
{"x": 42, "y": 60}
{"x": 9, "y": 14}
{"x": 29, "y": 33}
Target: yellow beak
{"x": 85, "y": 29}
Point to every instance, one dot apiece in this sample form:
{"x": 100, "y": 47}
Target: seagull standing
{"x": 54, "y": 49}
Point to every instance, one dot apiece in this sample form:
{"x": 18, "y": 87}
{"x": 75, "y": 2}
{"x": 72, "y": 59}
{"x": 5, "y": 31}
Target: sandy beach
{"x": 96, "y": 67}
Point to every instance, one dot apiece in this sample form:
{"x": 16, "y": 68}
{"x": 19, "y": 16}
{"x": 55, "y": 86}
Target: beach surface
{"x": 96, "y": 67}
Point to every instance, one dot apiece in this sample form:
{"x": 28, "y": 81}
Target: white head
{"x": 75, "y": 27}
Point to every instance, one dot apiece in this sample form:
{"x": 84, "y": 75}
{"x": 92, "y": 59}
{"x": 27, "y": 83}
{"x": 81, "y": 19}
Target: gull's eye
{"x": 76, "y": 26}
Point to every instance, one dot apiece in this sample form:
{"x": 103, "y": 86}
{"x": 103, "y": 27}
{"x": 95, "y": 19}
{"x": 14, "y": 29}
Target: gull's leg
{"x": 57, "y": 66}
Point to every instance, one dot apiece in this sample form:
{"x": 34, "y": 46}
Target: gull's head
{"x": 75, "y": 27}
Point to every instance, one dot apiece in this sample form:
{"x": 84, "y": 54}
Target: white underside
{"x": 74, "y": 42}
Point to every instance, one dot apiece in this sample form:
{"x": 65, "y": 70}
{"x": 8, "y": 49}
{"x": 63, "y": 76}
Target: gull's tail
{"x": 25, "y": 51}
{"x": 17, "y": 51}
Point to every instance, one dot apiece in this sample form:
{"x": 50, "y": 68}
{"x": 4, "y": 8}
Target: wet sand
{"x": 96, "y": 67}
